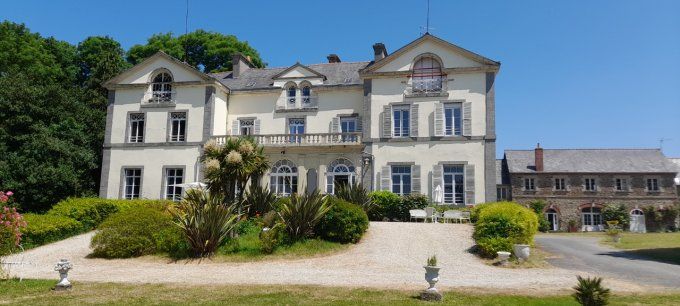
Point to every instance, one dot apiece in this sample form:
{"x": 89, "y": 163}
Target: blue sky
{"x": 575, "y": 74}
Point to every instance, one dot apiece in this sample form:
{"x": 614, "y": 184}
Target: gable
{"x": 142, "y": 72}
{"x": 298, "y": 71}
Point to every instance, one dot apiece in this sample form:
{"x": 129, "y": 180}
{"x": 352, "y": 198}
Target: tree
{"x": 99, "y": 58}
{"x": 207, "y": 51}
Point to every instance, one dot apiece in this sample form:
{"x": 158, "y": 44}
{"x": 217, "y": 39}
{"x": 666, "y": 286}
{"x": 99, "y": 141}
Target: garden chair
{"x": 18, "y": 261}
{"x": 465, "y": 215}
{"x": 451, "y": 215}
{"x": 417, "y": 214}
{"x": 431, "y": 213}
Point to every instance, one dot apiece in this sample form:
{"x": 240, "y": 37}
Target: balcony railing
{"x": 159, "y": 97}
{"x": 297, "y": 102}
{"x": 309, "y": 139}
{"x": 434, "y": 86}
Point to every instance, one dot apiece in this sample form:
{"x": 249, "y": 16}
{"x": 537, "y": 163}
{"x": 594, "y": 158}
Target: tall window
{"x": 400, "y": 115}
{"x": 590, "y": 184}
{"x": 132, "y": 183}
{"x": 452, "y": 119}
{"x": 136, "y": 127}
{"x": 284, "y": 178}
{"x": 621, "y": 184}
{"x": 161, "y": 87}
{"x": 454, "y": 186}
{"x": 560, "y": 184}
{"x": 340, "y": 173}
{"x": 348, "y": 125}
{"x": 173, "y": 177}
{"x": 652, "y": 184}
{"x": 529, "y": 184}
{"x": 401, "y": 180}
{"x": 178, "y": 126}
{"x": 296, "y": 126}
{"x": 306, "y": 92}
{"x": 427, "y": 75}
{"x": 247, "y": 126}
{"x": 290, "y": 94}
{"x": 551, "y": 215}
{"x": 591, "y": 216}
{"x": 502, "y": 193}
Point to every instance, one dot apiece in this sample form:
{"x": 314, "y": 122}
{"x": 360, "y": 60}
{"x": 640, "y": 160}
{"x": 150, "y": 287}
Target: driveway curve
{"x": 390, "y": 255}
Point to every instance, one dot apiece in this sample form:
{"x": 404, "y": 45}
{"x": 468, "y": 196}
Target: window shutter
{"x": 234, "y": 127}
{"x": 387, "y": 121}
{"x": 256, "y": 127}
{"x": 335, "y": 125}
{"x": 359, "y": 124}
{"x": 437, "y": 178}
{"x": 439, "y": 119}
{"x": 415, "y": 179}
{"x": 469, "y": 184}
{"x": 414, "y": 120}
{"x": 386, "y": 178}
{"x": 467, "y": 119}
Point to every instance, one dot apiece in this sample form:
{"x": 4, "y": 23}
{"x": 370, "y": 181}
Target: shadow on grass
{"x": 663, "y": 255}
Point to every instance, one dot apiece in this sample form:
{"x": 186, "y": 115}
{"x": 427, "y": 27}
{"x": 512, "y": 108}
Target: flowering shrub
{"x": 11, "y": 223}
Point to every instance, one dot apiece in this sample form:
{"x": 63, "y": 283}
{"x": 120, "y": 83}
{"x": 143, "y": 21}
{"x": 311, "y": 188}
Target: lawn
{"x": 37, "y": 292}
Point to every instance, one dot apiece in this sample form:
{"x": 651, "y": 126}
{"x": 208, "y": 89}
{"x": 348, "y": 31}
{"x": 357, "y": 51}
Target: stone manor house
{"x": 408, "y": 121}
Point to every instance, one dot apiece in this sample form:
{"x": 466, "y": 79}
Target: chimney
{"x": 380, "y": 51}
{"x": 538, "y": 158}
{"x": 333, "y": 58}
{"x": 239, "y": 64}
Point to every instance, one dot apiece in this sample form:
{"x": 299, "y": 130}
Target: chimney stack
{"x": 380, "y": 51}
{"x": 239, "y": 64}
{"x": 333, "y": 58}
{"x": 538, "y": 158}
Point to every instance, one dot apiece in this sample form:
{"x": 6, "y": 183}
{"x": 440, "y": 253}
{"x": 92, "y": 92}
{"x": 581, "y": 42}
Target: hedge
{"x": 42, "y": 229}
{"x": 344, "y": 222}
{"x": 93, "y": 211}
{"x": 392, "y": 207}
{"x": 502, "y": 224}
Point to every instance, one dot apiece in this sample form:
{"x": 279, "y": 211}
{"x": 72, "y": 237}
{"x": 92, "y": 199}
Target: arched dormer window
{"x": 291, "y": 92}
{"x": 161, "y": 87}
{"x": 306, "y": 93}
{"x": 427, "y": 75}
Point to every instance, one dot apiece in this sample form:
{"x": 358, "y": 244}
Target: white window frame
{"x": 135, "y": 133}
{"x": 306, "y": 98}
{"x": 529, "y": 182}
{"x": 591, "y": 216}
{"x": 246, "y": 125}
{"x": 340, "y": 166}
{"x": 621, "y": 184}
{"x": 454, "y": 171}
{"x": 401, "y": 128}
{"x": 173, "y": 179}
{"x": 291, "y": 100}
{"x": 590, "y": 187}
{"x": 655, "y": 184}
{"x": 136, "y": 183}
{"x": 284, "y": 174}
{"x": 562, "y": 186}
{"x": 456, "y": 121}
{"x": 400, "y": 186}
{"x": 180, "y": 120}
{"x": 161, "y": 89}
{"x": 502, "y": 193}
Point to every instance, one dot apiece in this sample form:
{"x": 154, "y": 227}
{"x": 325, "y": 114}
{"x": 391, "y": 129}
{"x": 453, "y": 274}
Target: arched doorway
{"x": 553, "y": 219}
{"x": 591, "y": 218}
{"x": 637, "y": 221}
{"x": 339, "y": 172}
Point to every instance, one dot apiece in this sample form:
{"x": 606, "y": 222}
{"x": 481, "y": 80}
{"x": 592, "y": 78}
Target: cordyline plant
{"x": 11, "y": 223}
{"x": 205, "y": 221}
{"x": 355, "y": 194}
{"x": 229, "y": 167}
{"x": 300, "y": 213}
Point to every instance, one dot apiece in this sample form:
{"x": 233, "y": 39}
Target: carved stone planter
{"x": 432, "y": 277}
{"x": 616, "y": 238}
{"x": 503, "y": 258}
{"x": 521, "y": 251}
{"x": 63, "y": 266}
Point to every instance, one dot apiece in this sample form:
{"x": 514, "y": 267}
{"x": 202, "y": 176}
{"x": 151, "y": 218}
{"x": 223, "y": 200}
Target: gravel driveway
{"x": 390, "y": 255}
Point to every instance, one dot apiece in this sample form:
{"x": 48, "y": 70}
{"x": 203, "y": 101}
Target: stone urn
{"x": 616, "y": 238}
{"x": 432, "y": 277}
{"x": 63, "y": 266}
{"x": 521, "y": 251}
{"x": 503, "y": 257}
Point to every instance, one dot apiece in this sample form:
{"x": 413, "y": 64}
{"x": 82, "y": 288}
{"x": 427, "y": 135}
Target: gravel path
{"x": 390, "y": 255}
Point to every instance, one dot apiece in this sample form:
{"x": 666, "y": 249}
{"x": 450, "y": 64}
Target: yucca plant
{"x": 355, "y": 194}
{"x": 590, "y": 292}
{"x": 300, "y": 213}
{"x": 258, "y": 200}
{"x": 205, "y": 221}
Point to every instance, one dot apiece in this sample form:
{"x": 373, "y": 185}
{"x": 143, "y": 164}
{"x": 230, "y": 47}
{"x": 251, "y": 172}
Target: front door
{"x": 637, "y": 221}
{"x": 552, "y": 219}
{"x": 454, "y": 187}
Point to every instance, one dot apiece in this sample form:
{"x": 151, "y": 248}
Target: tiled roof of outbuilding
{"x": 591, "y": 161}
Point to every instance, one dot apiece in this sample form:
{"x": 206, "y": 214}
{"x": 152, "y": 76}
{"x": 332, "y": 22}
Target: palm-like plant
{"x": 355, "y": 194}
{"x": 300, "y": 213}
{"x": 205, "y": 221}
{"x": 259, "y": 200}
{"x": 589, "y": 292}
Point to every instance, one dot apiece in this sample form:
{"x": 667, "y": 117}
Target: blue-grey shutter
{"x": 469, "y": 184}
{"x": 413, "y": 120}
{"x": 359, "y": 124}
{"x": 467, "y": 119}
{"x": 256, "y": 127}
{"x": 387, "y": 121}
{"x": 386, "y": 178}
{"x": 235, "y": 127}
{"x": 439, "y": 119}
{"x": 415, "y": 179}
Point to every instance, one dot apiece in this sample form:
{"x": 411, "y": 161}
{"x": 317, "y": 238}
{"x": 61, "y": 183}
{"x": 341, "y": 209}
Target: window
{"x": 290, "y": 94}
{"x": 590, "y": 184}
{"x": 161, "y": 87}
{"x": 132, "y": 183}
{"x": 348, "y": 125}
{"x": 502, "y": 193}
{"x": 173, "y": 177}
{"x": 553, "y": 220}
{"x": 178, "y": 126}
{"x": 591, "y": 216}
{"x": 340, "y": 173}
{"x": 401, "y": 180}
{"x": 401, "y": 121}
{"x": 529, "y": 184}
{"x": 136, "y": 127}
{"x": 247, "y": 126}
{"x": 454, "y": 184}
{"x": 652, "y": 184}
{"x": 621, "y": 184}
{"x": 427, "y": 75}
{"x": 284, "y": 178}
{"x": 296, "y": 126}
{"x": 452, "y": 119}
{"x": 306, "y": 95}
{"x": 560, "y": 184}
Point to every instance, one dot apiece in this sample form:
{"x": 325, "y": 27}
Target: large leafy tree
{"x": 207, "y": 51}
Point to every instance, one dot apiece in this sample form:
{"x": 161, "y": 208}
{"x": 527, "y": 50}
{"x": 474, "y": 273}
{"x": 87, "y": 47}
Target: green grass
{"x": 247, "y": 248}
{"x": 37, "y": 292}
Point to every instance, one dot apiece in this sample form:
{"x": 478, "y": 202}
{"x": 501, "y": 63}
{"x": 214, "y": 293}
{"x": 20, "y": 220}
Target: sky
{"x": 574, "y": 74}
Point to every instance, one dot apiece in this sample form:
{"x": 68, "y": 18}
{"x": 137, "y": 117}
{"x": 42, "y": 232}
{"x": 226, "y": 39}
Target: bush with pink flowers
{"x": 11, "y": 224}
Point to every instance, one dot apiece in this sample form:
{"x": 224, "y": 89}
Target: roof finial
{"x": 427, "y": 21}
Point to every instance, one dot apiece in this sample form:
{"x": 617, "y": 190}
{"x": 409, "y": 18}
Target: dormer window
{"x": 290, "y": 94}
{"x": 161, "y": 87}
{"x": 306, "y": 93}
{"x": 427, "y": 75}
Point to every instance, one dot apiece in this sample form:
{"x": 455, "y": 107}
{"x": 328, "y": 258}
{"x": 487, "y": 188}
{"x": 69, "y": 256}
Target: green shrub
{"x": 42, "y": 229}
{"x": 487, "y": 247}
{"x": 537, "y": 206}
{"x": 301, "y": 213}
{"x": 386, "y": 206}
{"x": 476, "y": 210}
{"x": 270, "y": 238}
{"x": 355, "y": 194}
{"x": 590, "y": 292}
{"x": 259, "y": 200}
{"x": 614, "y": 212}
{"x": 138, "y": 232}
{"x": 505, "y": 220}
{"x": 90, "y": 212}
{"x": 344, "y": 222}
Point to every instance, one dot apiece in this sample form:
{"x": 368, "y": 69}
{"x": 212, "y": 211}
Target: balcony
{"x": 159, "y": 98}
{"x": 427, "y": 87}
{"x": 302, "y": 140}
{"x": 297, "y": 103}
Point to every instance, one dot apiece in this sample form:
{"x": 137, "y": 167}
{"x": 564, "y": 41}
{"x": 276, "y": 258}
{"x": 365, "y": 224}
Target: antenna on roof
{"x": 661, "y": 141}
{"x": 427, "y": 21}
{"x": 186, "y": 31}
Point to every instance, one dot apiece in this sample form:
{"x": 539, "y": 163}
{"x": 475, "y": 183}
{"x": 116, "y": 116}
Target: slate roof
{"x": 337, "y": 74}
{"x": 591, "y": 161}
{"x": 676, "y": 161}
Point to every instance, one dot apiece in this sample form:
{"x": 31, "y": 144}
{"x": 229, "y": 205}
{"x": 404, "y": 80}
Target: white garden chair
{"x": 465, "y": 215}
{"x": 18, "y": 260}
{"x": 431, "y": 214}
{"x": 417, "y": 214}
{"x": 451, "y": 215}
